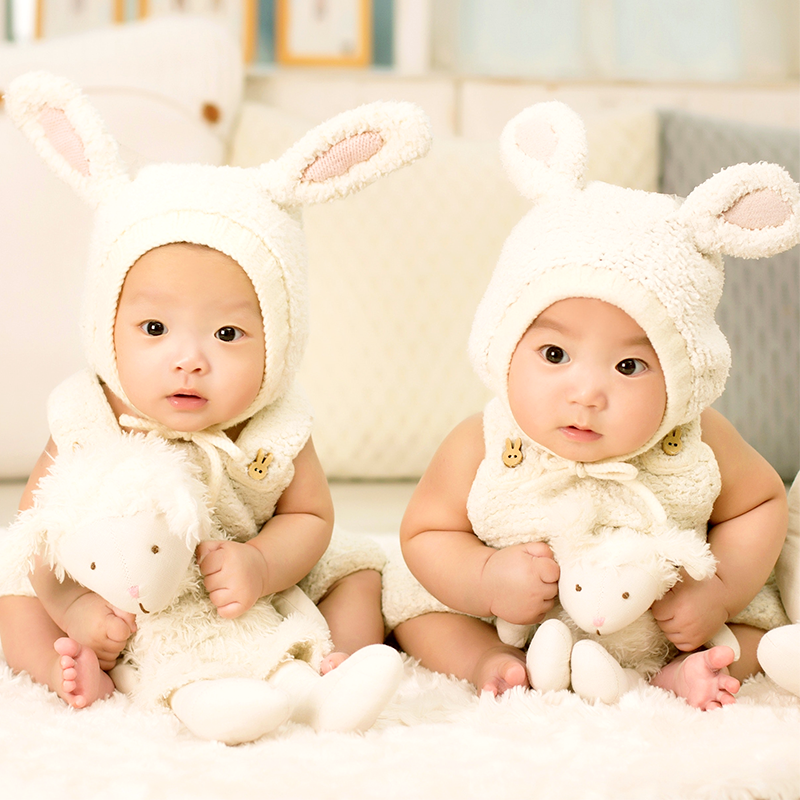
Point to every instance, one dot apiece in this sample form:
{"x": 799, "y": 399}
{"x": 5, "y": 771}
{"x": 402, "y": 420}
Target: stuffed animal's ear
{"x": 28, "y": 538}
{"x": 684, "y": 548}
{"x": 748, "y": 211}
{"x": 544, "y": 149}
{"x": 348, "y": 152}
{"x": 68, "y": 134}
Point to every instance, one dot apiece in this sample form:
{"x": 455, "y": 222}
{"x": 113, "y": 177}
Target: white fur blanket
{"x": 437, "y": 739}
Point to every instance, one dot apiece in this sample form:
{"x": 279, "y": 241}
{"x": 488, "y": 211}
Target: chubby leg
{"x": 352, "y": 609}
{"x": 29, "y": 639}
{"x": 465, "y": 647}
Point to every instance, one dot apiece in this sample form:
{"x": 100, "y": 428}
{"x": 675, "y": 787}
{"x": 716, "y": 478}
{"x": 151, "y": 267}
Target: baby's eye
{"x": 631, "y": 366}
{"x": 229, "y": 334}
{"x": 154, "y": 328}
{"x": 554, "y": 354}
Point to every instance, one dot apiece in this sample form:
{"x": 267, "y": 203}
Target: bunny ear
{"x": 348, "y": 152}
{"x": 749, "y": 211}
{"x": 544, "y": 148}
{"x": 68, "y": 134}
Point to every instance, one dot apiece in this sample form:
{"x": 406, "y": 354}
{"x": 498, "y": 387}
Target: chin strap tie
{"x": 562, "y": 471}
{"x": 212, "y": 441}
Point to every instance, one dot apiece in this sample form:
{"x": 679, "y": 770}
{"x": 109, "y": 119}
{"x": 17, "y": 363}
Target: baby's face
{"x": 189, "y": 337}
{"x": 585, "y": 382}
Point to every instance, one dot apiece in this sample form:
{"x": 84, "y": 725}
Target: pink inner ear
{"x": 763, "y": 208}
{"x": 536, "y": 139}
{"x": 343, "y": 156}
{"x": 60, "y": 133}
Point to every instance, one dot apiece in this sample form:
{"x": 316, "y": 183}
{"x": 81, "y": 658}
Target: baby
{"x": 597, "y": 337}
{"x": 194, "y": 323}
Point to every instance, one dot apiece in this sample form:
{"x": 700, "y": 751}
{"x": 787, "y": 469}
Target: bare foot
{"x": 331, "y": 661}
{"x": 81, "y": 679}
{"x": 500, "y": 669}
{"x": 701, "y": 678}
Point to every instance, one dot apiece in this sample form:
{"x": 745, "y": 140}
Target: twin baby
{"x": 596, "y": 336}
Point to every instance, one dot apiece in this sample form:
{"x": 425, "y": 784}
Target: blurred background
{"x": 738, "y": 58}
{"x": 671, "y": 92}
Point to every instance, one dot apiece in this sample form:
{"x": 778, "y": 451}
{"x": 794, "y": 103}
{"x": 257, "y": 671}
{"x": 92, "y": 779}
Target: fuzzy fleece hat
{"x": 658, "y": 258}
{"x": 251, "y": 215}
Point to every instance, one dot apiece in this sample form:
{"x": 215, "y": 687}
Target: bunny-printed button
{"x": 512, "y": 455}
{"x": 671, "y": 444}
{"x": 258, "y": 468}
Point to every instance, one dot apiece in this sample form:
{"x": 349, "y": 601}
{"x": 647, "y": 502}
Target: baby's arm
{"x": 282, "y": 553}
{"x": 81, "y": 614}
{"x": 517, "y": 584}
{"x": 746, "y": 533}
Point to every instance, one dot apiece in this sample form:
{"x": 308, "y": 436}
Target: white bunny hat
{"x": 251, "y": 215}
{"x": 656, "y": 257}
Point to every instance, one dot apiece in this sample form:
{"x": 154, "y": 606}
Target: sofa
{"x": 395, "y": 274}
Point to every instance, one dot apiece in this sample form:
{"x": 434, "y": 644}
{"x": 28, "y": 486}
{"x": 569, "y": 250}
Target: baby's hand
{"x": 234, "y": 575}
{"x": 94, "y": 623}
{"x": 521, "y": 582}
{"x": 692, "y": 612}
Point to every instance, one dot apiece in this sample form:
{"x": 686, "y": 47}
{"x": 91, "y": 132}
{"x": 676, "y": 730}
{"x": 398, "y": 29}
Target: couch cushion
{"x": 159, "y": 86}
{"x": 760, "y": 307}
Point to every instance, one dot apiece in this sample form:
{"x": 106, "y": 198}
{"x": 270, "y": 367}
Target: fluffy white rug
{"x": 436, "y": 740}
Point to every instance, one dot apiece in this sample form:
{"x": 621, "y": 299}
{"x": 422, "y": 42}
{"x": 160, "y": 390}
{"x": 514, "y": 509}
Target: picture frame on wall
{"x": 324, "y": 32}
{"x": 57, "y": 18}
{"x": 240, "y": 15}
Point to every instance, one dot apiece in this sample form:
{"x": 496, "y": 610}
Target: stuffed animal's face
{"x": 135, "y": 562}
{"x": 604, "y": 600}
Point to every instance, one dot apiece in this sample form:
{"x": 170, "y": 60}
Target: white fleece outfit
{"x": 546, "y": 495}
{"x": 657, "y": 258}
{"x": 80, "y": 417}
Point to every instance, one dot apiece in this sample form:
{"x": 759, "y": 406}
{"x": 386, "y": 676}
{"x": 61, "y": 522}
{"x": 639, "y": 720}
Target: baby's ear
{"x": 544, "y": 148}
{"x": 748, "y": 211}
{"x": 348, "y": 152}
{"x": 68, "y": 134}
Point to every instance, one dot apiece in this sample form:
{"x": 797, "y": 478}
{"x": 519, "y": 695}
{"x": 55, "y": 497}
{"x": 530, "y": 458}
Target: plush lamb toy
{"x": 604, "y": 640}
{"x": 123, "y": 519}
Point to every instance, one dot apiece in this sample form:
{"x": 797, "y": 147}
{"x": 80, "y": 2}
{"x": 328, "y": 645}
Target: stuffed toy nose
{"x": 597, "y": 621}
{"x": 133, "y": 591}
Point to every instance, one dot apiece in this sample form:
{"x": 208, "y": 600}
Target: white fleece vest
{"x": 80, "y": 416}
{"x": 542, "y": 493}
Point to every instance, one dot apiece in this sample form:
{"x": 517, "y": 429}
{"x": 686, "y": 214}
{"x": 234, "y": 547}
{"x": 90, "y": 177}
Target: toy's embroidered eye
{"x": 626, "y": 595}
{"x": 578, "y": 587}
{"x": 93, "y": 565}
{"x": 154, "y": 549}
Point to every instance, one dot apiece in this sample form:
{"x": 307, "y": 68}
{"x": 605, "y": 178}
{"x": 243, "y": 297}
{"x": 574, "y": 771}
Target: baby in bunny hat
{"x": 194, "y": 323}
{"x": 597, "y": 337}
